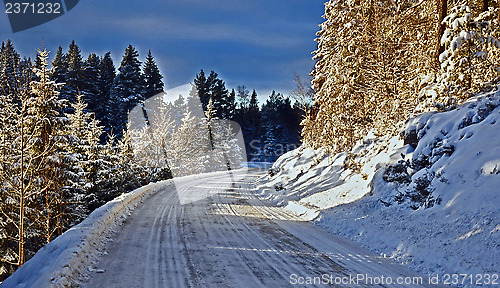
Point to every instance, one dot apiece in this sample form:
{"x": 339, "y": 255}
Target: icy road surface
{"x": 213, "y": 231}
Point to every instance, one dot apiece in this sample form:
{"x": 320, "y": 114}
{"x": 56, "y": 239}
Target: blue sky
{"x": 256, "y": 43}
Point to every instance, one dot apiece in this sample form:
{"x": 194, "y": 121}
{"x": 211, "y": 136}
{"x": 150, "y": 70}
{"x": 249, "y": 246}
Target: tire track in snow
{"x": 227, "y": 238}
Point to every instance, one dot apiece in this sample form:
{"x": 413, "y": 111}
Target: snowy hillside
{"x": 431, "y": 204}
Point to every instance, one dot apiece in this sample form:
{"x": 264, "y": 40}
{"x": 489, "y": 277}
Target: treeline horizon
{"x": 110, "y": 94}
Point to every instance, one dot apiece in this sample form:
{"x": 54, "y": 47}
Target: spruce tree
{"x": 9, "y": 67}
{"x": 213, "y": 87}
{"x": 49, "y": 124}
{"x": 193, "y": 104}
{"x": 254, "y": 102}
{"x": 253, "y": 118}
{"x": 219, "y": 95}
{"x": 201, "y": 89}
{"x": 8, "y": 256}
{"x": 243, "y": 97}
{"x": 231, "y": 110}
{"x": 74, "y": 73}
{"x": 104, "y": 108}
{"x": 59, "y": 67}
{"x": 90, "y": 88}
{"x": 83, "y": 159}
{"x": 30, "y": 164}
{"x": 128, "y": 89}
{"x": 152, "y": 77}
{"x": 280, "y": 127}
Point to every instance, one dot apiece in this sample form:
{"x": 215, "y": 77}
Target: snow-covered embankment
{"x": 66, "y": 260}
{"x": 433, "y": 205}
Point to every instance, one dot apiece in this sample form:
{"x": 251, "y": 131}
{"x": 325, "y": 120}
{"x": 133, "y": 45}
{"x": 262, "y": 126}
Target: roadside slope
{"x": 433, "y": 206}
{"x": 65, "y": 260}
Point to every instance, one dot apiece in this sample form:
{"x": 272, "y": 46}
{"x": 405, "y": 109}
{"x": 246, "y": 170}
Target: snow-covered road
{"x": 207, "y": 231}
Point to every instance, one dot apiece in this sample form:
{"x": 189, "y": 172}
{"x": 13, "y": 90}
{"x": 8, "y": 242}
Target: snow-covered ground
{"x": 67, "y": 260}
{"x": 456, "y": 161}
{"x": 220, "y": 235}
{"x": 227, "y": 238}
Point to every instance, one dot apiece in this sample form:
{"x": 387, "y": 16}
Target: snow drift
{"x": 431, "y": 204}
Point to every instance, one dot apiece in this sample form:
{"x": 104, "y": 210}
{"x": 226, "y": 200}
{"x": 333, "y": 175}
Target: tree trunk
{"x": 21, "y": 200}
{"x": 442, "y": 9}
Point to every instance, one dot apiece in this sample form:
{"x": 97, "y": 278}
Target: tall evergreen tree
{"x": 90, "y": 83}
{"x": 219, "y": 95}
{"x": 8, "y": 255}
{"x": 213, "y": 87}
{"x": 31, "y": 167}
{"x": 193, "y": 102}
{"x": 9, "y": 64}
{"x": 59, "y": 66}
{"x": 243, "y": 97}
{"x": 153, "y": 83}
{"x": 251, "y": 120}
{"x": 254, "y": 102}
{"x": 200, "y": 88}
{"x": 74, "y": 73}
{"x": 104, "y": 108}
{"x": 231, "y": 105}
{"x": 49, "y": 124}
{"x": 280, "y": 127}
{"x": 128, "y": 89}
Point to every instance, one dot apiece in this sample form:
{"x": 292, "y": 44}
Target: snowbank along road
{"x": 213, "y": 231}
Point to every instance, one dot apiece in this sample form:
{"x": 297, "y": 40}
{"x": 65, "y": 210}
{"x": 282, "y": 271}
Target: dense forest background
{"x": 381, "y": 62}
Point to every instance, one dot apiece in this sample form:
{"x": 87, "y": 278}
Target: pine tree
{"x": 372, "y": 59}
{"x": 30, "y": 164}
{"x": 254, "y": 102}
{"x": 8, "y": 256}
{"x": 178, "y": 108}
{"x": 9, "y": 67}
{"x": 83, "y": 157}
{"x": 104, "y": 108}
{"x": 231, "y": 110}
{"x": 74, "y": 73}
{"x": 280, "y": 127}
{"x": 243, "y": 97}
{"x": 219, "y": 95}
{"x": 90, "y": 88}
{"x": 75, "y": 63}
{"x": 252, "y": 129}
{"x": 201, "y": 89}
{"x": 213, "y": 87}
{"x": 49, "y": 123}
{"x": 471, "y": 56}
{"x": 128, "y": 88}
{"x": 59, "y": 66}
{"x": 37, "y": 63}
{"x": 152, "y": 77}
{"x": 194, "y": 105}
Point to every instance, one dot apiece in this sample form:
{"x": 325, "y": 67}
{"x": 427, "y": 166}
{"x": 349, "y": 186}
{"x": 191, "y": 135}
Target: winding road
{"x": 214, "y": 231}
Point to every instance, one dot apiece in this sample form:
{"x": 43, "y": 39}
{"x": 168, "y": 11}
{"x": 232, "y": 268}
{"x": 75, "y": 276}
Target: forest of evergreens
{"x": 67, "y": 147}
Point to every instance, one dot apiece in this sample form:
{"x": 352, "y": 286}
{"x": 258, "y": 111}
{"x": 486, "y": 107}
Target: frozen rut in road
{"x": 212, "y": 231}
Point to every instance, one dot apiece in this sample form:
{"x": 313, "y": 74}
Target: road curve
{"x": 207, "y": 231}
